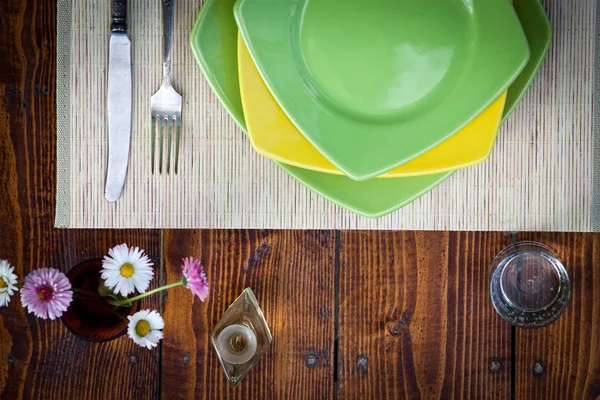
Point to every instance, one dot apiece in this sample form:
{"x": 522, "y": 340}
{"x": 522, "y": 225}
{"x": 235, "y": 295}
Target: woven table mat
{"x": 540, "y": 175}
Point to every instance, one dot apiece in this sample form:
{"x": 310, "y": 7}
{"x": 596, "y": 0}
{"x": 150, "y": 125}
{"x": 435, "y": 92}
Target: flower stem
{"x": 158, "y": 289}
{"x": 84, "y": 296}
{"x": 87, "y": 292}
{"x": 114, "y": 311}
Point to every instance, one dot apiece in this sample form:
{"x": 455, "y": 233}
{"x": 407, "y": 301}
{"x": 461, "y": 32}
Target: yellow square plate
{"x": 274, "y": 136}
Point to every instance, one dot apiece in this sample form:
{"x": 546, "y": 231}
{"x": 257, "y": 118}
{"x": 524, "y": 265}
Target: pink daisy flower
{"x": 194, "y": 277}
{"x": 46, "y": 293}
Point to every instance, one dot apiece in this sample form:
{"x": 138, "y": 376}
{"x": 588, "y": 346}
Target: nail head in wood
{"x": 186, "y": 358}
{"x": 495, "y": 365}
{"x": 311, "y": 360}
{"x": 362, "y": 364}
{"x": 539, "y": 368}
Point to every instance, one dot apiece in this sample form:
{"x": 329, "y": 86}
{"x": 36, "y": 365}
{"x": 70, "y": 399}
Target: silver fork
{"x": 166, "y": 102}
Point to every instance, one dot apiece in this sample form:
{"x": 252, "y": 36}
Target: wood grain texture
{"x": 415, "y": 319}
{"x": 41, "y": 359}
{"x": 562, "y": 361}
{"x": 292, "y": 276}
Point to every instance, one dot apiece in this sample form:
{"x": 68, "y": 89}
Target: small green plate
{"x": 537, "y": 29}
{"x": 375, "y": 84}
{"x": 213, "y": 42}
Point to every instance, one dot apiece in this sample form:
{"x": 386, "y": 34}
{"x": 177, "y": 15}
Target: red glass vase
{"x": 93, "y": 318}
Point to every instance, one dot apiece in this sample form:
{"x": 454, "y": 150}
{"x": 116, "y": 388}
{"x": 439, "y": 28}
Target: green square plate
{"x": 375, "y": 84}
{"x": 537, "y": 29}
{"x": 214, "y": 44}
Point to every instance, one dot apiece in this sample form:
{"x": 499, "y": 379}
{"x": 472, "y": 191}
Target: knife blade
{"x": 118, "y": 102}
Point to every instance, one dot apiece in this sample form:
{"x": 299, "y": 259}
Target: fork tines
{"x": 170, "y": 122}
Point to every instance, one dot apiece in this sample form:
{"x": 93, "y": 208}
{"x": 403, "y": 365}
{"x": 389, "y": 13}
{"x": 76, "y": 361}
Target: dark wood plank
{"x": 562, "y": 361}
{"x": 292, "y": 275}
{"x": 40, "y": 359}
{"x": 415, "y": 320}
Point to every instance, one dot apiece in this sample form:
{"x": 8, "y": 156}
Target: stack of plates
{"x": 371, "y": 104}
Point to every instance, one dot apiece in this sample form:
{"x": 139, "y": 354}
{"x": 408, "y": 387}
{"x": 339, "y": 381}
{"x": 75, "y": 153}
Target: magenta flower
{"x": 46, "y": 293}
{"x": 194, "y": 277}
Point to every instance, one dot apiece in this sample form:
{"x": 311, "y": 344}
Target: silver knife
{"x": 119, "y": 102}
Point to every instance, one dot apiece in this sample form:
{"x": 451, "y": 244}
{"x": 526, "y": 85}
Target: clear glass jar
{"x": 530, "y": 287}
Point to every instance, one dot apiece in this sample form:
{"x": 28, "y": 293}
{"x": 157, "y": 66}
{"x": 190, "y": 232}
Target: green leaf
{"x": 105, "y": 291}
{"x": 117, "y": 299}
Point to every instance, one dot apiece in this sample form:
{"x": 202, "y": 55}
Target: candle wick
{"x": 237, "y": 343}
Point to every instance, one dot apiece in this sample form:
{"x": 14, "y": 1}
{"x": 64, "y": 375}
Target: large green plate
{"x": 539, "y": 35}
{"x": 213, "y": 42}
{"x": 375, "y": 84}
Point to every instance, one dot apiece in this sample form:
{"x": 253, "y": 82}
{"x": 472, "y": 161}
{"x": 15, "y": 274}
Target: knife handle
{"x": 119, "y": 16}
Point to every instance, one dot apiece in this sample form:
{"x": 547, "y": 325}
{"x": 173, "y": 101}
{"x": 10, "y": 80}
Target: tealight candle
{"x": 237, "y": 344}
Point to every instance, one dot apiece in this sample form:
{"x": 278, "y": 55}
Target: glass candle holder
{"x": 241, "y": 337}
{"x": 529, "y": 287}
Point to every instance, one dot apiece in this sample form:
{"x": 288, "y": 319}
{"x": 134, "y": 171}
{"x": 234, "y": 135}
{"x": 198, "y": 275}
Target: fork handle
{"x": 119, "y": 16}
{"x": 167, "y": 12}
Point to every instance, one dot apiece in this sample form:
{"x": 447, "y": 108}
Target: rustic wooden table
{"x": 353, "y": 314}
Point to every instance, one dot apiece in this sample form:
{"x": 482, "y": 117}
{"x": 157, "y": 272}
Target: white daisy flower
{"x": 127, "y": 269}
{"x": 8, "y": 282}
{"x": 145, "y": 328}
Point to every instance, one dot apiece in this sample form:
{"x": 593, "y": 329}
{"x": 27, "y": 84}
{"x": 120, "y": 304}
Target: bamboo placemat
{"x": 540, "y": 175}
